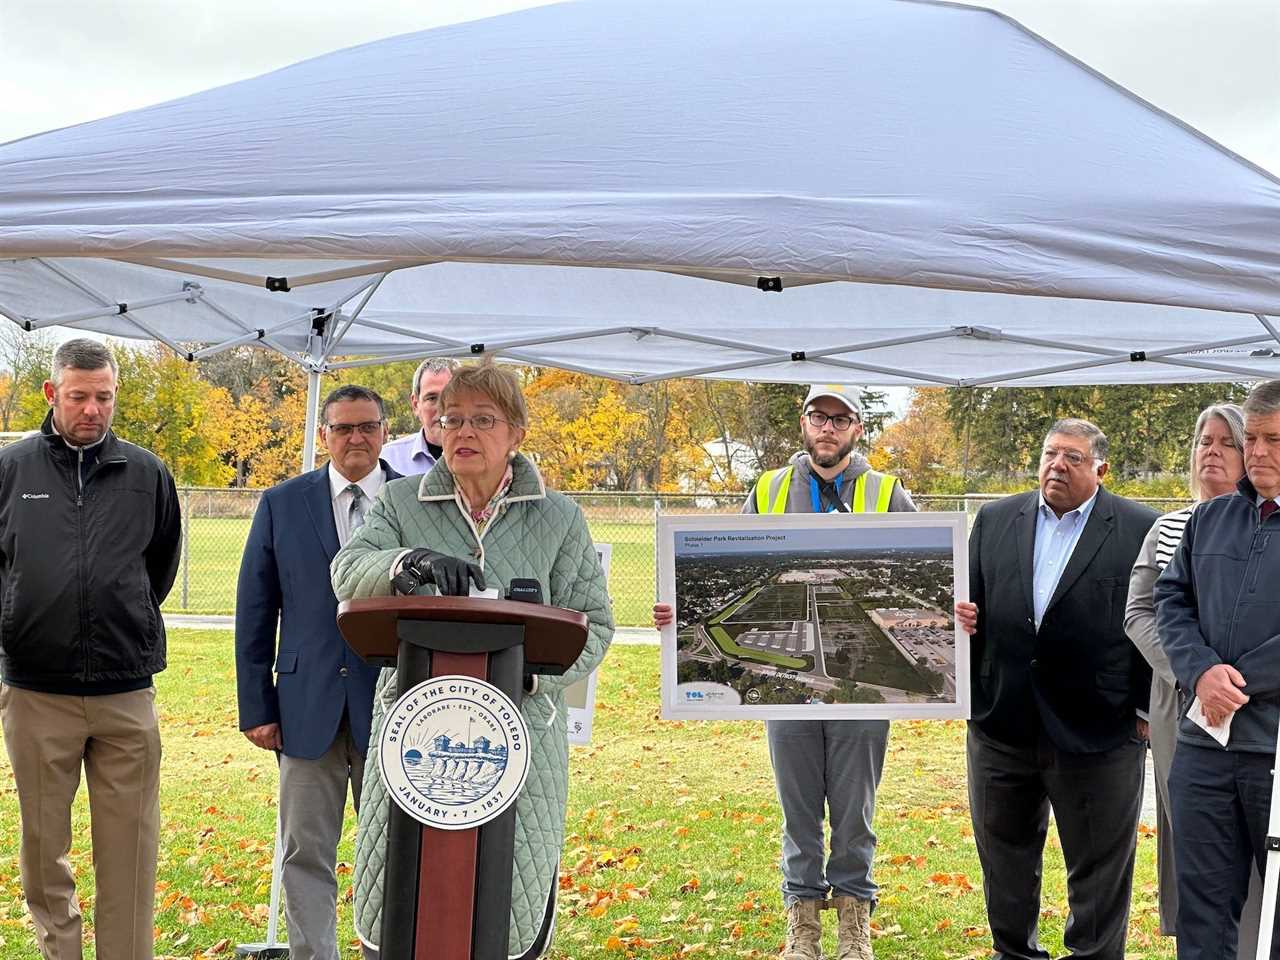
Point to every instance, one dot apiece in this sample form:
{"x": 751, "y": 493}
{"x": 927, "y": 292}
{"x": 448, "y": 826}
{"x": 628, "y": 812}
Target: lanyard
{"x": 815, "y": 494}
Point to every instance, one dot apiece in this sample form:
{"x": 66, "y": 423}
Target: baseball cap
{"x": 848, "y": 395}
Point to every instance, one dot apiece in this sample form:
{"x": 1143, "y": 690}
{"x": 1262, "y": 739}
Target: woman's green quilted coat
{"x": 536, "y": 534}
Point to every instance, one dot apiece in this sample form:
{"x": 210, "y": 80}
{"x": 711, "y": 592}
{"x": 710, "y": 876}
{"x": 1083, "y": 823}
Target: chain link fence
{"x": 215, "y": 524}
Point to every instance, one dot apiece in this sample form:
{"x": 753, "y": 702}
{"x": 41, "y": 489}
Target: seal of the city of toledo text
{"x": 454, "y": 752}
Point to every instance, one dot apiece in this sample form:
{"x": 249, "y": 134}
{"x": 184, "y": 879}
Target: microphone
{"x": 525, "y": 591}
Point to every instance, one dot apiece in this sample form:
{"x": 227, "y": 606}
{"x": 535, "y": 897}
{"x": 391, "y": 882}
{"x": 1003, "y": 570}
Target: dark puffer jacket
{"x": 89, "y": 547}
{"x": 1217, "y": 602}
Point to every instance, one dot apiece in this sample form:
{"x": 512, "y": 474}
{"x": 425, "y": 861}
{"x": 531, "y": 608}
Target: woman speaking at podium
{"x": 483, "y": 516}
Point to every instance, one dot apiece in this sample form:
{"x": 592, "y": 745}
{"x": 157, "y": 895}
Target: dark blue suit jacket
{"x": 284, "y": 579}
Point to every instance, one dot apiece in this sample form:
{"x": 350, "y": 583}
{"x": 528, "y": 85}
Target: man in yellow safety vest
{"x": 826, "y": 763}
{"x": 829, "y": 476}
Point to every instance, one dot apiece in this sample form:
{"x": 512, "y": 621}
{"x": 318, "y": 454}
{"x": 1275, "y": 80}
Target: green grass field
{"x": 731, "y": 647}
{"x": 672, "y": 835}
{"x": 726, "y": 642}
{"x": 735, "y": 606}
{"x": 776, "y": 601}
{"x": 207, "y": 580}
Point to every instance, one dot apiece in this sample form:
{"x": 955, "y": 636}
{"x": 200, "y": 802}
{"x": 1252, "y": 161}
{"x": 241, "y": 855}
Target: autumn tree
{"x": 164, "y": 405}
{"x": 580, "y": 429}
{"x": 25, "y": 358}
{"x": 590, "y": 433}
{"x": 281, "y": 457}
{"x": 266, "y": 407}
{"x": 761, "y": 418}
{"x": 1149, "y": 427}
{"x": 922, "y": 448}
{"x": 670, "y": 455}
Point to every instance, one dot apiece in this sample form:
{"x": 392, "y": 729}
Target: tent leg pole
{"x": 273, "y": 949}
{"x": 277, "y": 865}
{"x": 1266, "y": 926}
{"x": 313, "y": 415}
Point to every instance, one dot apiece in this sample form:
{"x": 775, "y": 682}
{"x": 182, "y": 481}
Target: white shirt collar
{"x": 1084, "y": 509}
{"x": 370, "y": 483}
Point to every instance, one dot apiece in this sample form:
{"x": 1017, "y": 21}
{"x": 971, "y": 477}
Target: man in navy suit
{"x": 315, "y": 712}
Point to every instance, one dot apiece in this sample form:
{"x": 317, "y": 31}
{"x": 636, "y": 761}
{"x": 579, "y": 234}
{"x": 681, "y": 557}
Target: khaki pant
{"x": 117, "y": 739}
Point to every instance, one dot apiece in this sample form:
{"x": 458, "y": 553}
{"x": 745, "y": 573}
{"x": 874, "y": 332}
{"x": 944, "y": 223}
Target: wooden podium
{"x": 447, "y": 893}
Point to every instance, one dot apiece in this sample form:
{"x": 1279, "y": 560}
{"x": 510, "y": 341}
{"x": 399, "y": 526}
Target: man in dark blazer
{"x": 1058, "y": 696}
{"x": 315, "y": 712}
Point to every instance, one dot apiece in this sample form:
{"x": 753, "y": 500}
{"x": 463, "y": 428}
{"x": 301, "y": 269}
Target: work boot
{"x": 853, "y": 941}
{"x": 804, "y": 931}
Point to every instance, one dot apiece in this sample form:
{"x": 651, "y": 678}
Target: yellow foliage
{"x": 587, "y": 433}
{"x": 921, "y": 447}
{"x": 164, "y": 405}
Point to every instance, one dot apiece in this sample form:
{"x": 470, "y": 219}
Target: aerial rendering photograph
{"x": 858, "y": 613}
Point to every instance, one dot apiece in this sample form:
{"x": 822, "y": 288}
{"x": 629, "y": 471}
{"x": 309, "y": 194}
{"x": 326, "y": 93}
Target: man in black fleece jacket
{"x": 89, "y": 545}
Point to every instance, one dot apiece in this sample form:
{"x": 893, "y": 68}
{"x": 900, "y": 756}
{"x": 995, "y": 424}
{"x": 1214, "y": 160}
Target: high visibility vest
{"x": 773, "y": 486}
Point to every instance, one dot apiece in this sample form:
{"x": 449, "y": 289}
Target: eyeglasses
{"x": 481, "y": 421}
{"x": 1073, "y": 457}
{"x": 367, "y": 429}
{"x": 840, "y": 421}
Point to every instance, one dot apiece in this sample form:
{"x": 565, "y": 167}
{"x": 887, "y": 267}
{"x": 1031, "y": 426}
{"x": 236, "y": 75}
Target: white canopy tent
{"x": 887, "y": 192}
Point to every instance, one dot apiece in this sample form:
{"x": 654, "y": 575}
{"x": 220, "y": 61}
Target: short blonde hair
{"x": 497, "y": 384}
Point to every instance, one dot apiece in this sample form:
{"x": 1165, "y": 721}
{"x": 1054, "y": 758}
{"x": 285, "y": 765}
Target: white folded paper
{"x": 1220, "y": 732}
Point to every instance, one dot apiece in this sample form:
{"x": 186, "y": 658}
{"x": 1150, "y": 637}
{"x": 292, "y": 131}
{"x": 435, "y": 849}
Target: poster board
{"x": 580, "y": 696}
{"x": 814, "y": 616}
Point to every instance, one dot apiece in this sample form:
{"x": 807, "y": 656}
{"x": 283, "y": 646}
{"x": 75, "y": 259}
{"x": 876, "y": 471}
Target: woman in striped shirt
{"x": 1217, "y": 464}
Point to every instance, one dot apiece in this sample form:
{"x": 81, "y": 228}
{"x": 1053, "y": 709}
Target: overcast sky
{"x": 1213, "y": 63}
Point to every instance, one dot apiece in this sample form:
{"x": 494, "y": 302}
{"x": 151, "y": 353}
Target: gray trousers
{"x": 313, "y": 797}
{"x": 836, "y": 765}
{"x": 1096, "y": 800}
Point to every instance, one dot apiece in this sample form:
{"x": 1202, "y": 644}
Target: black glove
{"x": 447, "y": 574}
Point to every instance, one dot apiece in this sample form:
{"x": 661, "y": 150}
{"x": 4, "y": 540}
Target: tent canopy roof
{"x": 941, "y": 195}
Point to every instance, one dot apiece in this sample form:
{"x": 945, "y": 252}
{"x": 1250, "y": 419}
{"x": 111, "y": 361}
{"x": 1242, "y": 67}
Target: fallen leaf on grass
{"x": 907, "y": 859}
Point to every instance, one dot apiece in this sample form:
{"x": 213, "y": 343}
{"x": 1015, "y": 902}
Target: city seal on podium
{"x": 454, "y": 752}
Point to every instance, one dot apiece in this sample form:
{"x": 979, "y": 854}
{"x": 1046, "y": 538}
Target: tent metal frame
{"x": 330, "y": 323}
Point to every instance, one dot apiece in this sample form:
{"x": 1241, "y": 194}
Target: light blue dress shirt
{"x": 408, "y": 455}
{"x": 1056, "y": 539}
